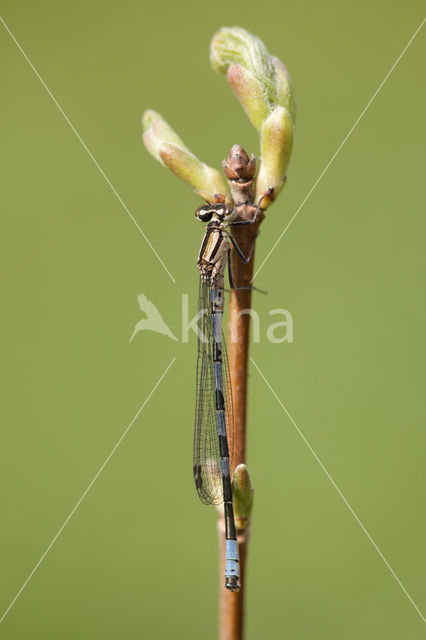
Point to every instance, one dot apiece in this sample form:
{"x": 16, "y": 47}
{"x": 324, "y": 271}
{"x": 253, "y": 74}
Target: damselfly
{"x": 213, "y": 433}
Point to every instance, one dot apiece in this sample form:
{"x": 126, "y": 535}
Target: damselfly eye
{"x": 204, "y": 213}
{"x": 220, "y": 212}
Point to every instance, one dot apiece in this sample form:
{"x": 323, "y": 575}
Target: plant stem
{"x": 232, "y": 603}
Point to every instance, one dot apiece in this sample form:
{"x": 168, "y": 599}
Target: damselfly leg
{"x": 267, "y": 193}
{"x": 231, "y": 278}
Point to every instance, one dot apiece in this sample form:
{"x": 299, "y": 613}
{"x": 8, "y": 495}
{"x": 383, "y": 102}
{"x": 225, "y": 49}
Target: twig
{"x": 264, "y": 87}
{"x": 232, "y": 603}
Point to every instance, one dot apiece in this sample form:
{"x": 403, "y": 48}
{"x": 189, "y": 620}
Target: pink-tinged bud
{"x": 156, "y": 131}
{"x": 206, "y": 181}
{"x": 250, "y": 93}
{"x": 264, "y": 87}
{"x": 166, "y": 147}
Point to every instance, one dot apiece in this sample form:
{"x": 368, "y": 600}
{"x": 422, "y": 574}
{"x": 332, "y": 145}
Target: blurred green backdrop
{"x": 138, "y": 558}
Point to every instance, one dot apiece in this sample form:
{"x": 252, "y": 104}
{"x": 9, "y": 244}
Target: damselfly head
{"x": 215, "y": 212}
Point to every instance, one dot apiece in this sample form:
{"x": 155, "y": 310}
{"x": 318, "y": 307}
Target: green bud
{"x": 285, "y": 87}
{"x": 264, "y": 87}
{"x": 166, "y": 147}
{"x": 242, "y": 493}
{"x": 236, "y": 45}
{"x": 276, "y": 144}
{"x": 260, "y": 81}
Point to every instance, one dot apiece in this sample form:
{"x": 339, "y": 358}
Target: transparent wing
{"x": 207, "y": 467}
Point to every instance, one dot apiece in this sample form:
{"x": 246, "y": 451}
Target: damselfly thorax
{"x": 214, "y": 248}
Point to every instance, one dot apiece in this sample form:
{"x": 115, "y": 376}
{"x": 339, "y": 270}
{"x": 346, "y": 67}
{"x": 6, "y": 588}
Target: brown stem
{"x": 239, "y": 169}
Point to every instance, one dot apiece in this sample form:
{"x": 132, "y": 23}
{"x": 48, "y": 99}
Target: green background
{"x": 138, "y": 557}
